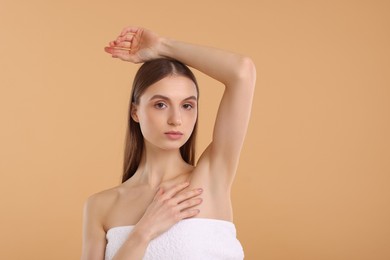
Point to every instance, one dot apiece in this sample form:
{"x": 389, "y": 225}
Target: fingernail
{"x": 200, "y": 190}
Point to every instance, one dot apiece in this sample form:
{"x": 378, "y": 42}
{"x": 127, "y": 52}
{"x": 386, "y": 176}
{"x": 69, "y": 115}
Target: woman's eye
{"x": 187, "y": 106}
{"x": 160, "y": 105}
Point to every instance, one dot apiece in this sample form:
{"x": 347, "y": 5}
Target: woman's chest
{"x": 129, "y": 208}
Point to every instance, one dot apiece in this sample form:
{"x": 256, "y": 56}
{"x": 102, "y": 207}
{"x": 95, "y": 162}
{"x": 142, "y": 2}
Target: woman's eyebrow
{"x": 167, "y": 98}
{"x": 159, "y": 97}
{"x": 191, "y": 98}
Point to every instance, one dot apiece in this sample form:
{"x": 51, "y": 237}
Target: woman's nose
{"x": 175, "y": 118}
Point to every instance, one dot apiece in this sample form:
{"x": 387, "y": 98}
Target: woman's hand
{"x": 135, "y": 44}
{"x": 168, "y": 208}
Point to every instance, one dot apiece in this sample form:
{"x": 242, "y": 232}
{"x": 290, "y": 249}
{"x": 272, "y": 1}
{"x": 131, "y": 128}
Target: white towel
{"x": 189, "y": 239}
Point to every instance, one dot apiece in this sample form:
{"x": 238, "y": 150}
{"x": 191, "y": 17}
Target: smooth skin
{"x": 165, "y": 190}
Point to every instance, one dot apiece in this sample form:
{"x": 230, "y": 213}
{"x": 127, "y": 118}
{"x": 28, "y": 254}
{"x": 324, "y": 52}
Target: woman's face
{"x": 167, "y": 112}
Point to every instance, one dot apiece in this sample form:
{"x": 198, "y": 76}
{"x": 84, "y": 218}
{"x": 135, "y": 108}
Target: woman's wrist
{"x": 164, "y": 47}
{"x": 134, "y": 247}
{"x": 142, "y": 234}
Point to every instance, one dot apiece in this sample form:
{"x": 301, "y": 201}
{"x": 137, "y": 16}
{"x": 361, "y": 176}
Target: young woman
{"x": 167, "y": 207}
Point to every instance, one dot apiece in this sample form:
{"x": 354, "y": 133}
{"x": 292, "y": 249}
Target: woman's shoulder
{"x": 99, "y": 202}
{"x": 103, "y": 200}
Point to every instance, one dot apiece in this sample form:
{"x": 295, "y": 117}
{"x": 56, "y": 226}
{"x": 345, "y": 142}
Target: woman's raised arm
{"x": 238, "y": 75}
{"x": 235, "y": 71}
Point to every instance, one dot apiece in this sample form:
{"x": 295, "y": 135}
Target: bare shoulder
{"x": 102, "y": 200}
{"x": 97, "y": 206}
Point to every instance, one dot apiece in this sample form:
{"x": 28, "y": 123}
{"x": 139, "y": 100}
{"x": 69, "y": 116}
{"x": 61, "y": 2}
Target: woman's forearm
{"x": 134, "y": 247}
{"x": 224, "y": 66}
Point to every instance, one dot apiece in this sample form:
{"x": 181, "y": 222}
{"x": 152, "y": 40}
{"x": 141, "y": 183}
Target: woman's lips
{"x": 174, "y": 135}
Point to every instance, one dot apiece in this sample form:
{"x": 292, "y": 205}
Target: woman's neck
{"x": 158, "y": 166}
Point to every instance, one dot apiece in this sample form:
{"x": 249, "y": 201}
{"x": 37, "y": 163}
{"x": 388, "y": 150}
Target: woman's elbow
{"x": 247, "y": 71}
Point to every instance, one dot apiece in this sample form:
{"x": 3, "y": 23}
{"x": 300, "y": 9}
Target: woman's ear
{"x": 133, "y": 112}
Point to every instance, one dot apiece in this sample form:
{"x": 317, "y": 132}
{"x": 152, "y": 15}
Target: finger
{"x": 171, "y": 192}
{"x": 122, "y": 49}
{"x": 121, "y": 54}
{"x": 189, "y": 213}
{"x": 189, "y": 203}
{"x": 187, "y": 195}
{"x": 108, "y": 49}
{"x": 129, "y": 29}
{"x": 118, "y": 52}
{"x": 126, "y": 37}
{"x": 159, "y": 192}
{"x": 123, "y": 45}
{"x": 111, "y": 50}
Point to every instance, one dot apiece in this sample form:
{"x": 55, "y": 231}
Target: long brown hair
{"x": 149, "y": 73}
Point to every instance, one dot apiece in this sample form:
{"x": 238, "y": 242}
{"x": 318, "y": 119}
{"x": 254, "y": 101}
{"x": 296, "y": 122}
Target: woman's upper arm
{"x": 232, "y": 121}
{"x": 94, "y": 241}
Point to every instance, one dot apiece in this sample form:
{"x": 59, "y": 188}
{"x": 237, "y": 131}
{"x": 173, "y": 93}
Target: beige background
{"x": 313, "y": 181}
